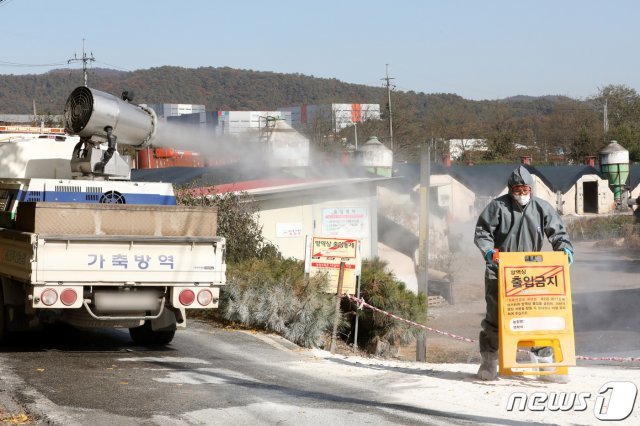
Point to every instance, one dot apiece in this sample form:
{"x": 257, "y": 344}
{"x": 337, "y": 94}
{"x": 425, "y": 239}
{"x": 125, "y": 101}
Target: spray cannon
{"x": 99, "y": 118}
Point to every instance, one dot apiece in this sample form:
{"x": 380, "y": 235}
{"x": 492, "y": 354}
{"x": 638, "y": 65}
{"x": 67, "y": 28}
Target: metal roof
{"x": 562, "y": 178}
{"x": 634, "y": 175}
{"x": 205, "y": 176}
{"x": 256, "y": 180}
{"x": 491, "y": 179}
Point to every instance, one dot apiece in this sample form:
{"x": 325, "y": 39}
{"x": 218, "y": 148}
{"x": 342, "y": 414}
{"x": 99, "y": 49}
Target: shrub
{"x": 237, "y": 221}
{"x": 272, "y": 294}
{"x": 380, "y": 334}
{"x": 599, "y": 228}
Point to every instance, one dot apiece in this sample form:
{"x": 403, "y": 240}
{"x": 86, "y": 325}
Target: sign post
{"x": 535, "y": 311}
{"x": 336, "y": 320}
{"x": 339, "y": 259}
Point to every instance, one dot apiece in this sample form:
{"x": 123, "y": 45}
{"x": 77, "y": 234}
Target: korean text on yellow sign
{"x": 327, "y": 254}
{"x": 535, "y": 306}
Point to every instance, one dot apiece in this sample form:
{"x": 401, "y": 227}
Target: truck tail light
{"x": 68, "y": 297}
{"x": 204, "y": 297}
{"x": 186, "y": 297}
{"x": 49, "y": 297}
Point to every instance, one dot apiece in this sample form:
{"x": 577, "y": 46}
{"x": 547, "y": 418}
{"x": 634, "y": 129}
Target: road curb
{"x": 274, "y": 340}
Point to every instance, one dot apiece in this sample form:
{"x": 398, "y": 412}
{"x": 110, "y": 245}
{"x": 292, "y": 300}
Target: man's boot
{"x": 489, "y": 367}
{"x": 544, "y": 355}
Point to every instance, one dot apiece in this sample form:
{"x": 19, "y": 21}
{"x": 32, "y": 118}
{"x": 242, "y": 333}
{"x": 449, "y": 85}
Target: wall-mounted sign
{"x": 345, "y": 222}
{"x": 289, "y": 229}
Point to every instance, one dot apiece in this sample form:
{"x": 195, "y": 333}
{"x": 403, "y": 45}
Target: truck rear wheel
{"x": 145, "y": 335}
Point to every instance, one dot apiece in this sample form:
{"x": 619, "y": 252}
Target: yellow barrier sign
{"x": 535, "y": 310}
{"x": 326, "y": 255}
{"x": 334, "y": 247}
{"x": 332, "y": 269}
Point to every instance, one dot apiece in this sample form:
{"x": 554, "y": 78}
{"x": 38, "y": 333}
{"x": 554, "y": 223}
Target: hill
{"x": 544, "y": 124}
{"x": 216, "y": 88}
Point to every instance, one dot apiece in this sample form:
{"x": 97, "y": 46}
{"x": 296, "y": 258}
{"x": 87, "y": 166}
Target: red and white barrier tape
{"x": 361, "y": 303}
{"x": 608, "y": 358}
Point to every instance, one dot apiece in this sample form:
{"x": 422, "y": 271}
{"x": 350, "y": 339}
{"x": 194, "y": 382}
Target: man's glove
{"x": 488, "y": 256}
{"x": 569, "y": 254}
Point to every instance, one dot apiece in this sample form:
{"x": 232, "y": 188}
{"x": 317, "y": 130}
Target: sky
{"x": 484, "y": 49}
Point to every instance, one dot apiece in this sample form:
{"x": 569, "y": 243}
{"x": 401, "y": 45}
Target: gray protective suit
{"x": 509, "y": 227}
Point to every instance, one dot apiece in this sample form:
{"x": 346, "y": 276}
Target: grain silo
{"x": 614, "y": 165}
{"x": 375, "y": 157}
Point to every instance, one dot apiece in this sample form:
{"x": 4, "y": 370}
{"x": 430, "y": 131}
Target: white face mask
{"x": 523, "y": 200}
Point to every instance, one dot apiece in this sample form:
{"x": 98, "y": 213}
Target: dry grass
{"x": 15, "y": 419}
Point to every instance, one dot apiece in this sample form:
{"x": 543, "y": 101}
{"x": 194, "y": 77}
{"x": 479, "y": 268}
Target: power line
{"x": 113, "y": 66}
{"x": 18, "y": 64}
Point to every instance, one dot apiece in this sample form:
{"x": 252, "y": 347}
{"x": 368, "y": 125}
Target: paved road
{"x": 207, "y": 376}
{"x": 606, "y": 295}
{"x": 216, "y": 376}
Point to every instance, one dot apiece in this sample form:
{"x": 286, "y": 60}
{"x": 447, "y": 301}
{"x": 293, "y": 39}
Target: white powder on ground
{"x": 454, "y": 388}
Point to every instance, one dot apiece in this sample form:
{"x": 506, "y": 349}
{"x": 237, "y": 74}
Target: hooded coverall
{"x": 509, "y": 227}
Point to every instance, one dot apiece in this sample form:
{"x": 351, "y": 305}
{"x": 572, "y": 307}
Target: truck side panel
{"x": 17, "y": 253}
{"x": 129, "y": 260}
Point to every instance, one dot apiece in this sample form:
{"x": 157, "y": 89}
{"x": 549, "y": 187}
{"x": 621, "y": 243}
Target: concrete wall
{"x": 543, "y": 191}
{"x": 455, "y": 197}
{"x": 287, "y": 227}
{"x": 574, "y": 197}
{"x": 635, "y": 192}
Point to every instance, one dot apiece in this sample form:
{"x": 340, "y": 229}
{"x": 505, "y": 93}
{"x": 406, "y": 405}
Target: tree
{"x": 237, "y": 222}
{"x": 623, "y": 106}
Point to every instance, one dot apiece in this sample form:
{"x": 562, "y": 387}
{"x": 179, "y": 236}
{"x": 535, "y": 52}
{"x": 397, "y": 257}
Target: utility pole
{"x": 423, "y": 241}
{"x": 388, "y": 80}
{"x": 605, "y": 116}
{"x": 355, "y": 132}
{"x": 85, "y": 59}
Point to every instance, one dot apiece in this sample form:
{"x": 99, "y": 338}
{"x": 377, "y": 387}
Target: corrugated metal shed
{"x": 490, "y": 179}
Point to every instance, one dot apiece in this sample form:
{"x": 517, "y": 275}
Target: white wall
{"x": 287, "y": 227}
{"x": 287, "y": 219}
{"x": 635, "y": 192}
{"x": 573, "y": 204}
{"x": 541, "y": 190}
{"x": 455, "y": 197}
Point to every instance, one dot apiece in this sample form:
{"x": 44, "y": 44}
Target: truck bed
{"x": 116, "y": 219}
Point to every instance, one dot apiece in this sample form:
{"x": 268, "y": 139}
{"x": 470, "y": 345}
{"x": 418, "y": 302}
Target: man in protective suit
{"x": 515, "y": 222}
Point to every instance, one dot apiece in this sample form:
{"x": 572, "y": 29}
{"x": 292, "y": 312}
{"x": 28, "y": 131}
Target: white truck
{"x": 96, "y": 250}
